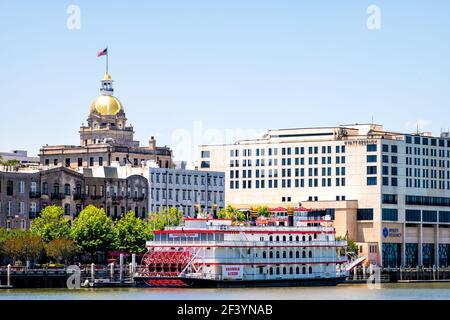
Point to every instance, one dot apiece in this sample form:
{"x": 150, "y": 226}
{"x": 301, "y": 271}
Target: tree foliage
{"x": 131, "y": 233}
{"x": 263, "y": 211}
{"x": 51, "y": 224}
{"x": 24, "y": 246}
{"x": 61, "y": 249}
{"x": 92, "y": 230}
{"x": 171, "y": 217}
{"x": 231, "y": 213}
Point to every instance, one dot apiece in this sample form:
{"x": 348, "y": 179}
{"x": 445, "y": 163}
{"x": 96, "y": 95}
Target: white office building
{"x": 388, "y": 191}
{"x": 191, "y": 191}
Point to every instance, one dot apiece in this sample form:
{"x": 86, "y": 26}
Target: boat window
{"x": 291, "y": 270}
{"x": 278, "y": 238}
{"x": 304, "y": 270}
{"x": 290, "y": 238}
{"x": 310, "y": 270}
{"x": 315, "y": 235}
{"x": 264, "y": 255}
{"x": 284, "y": 270}
{"x": 284, "y": 254}
{"x": 270, "y": 238}
{"x": 271, "y": 270}
{"x": 297, "y": 254}
{"x": 297, "y": 270}
{"x": 310, "y": 254}
{"x": 271, "y": 254}
{"x": 284, "y": 238}
{"x": 278, "y": 270}
{"x": 303, "y": 238}
{"x": 291, "y": 254}
{"x": 278, "y": 254}
{"x": 303, "y": 254}
{"x": 297, "y": 238}
{"x": 310, "y": 238}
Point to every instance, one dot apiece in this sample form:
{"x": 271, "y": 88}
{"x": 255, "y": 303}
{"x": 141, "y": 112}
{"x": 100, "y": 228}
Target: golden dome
{"x": 106, "y": 105}
{"x": 107, "y": 77}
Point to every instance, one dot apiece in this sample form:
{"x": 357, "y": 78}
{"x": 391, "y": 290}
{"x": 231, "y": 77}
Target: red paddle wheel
{"x": 165, "y": 264}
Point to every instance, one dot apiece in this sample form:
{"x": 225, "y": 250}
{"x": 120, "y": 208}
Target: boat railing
{"x": 246, "y": 243}
{"x": 272, "y": 261}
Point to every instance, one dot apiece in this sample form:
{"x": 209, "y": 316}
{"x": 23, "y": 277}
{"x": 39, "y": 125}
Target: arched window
{"x": 303, "y": 238}
{"x": 291, "y": 254}
{"x": 270, "y": 238}
{"x": 297, "y": 238}
{"x": 304, "y": 270}
{"x": 290, "y": 238}
{"x": 284, "y": 270}
{"x": 278, "y": 270}
{"x": 310, "y": 270}
{"x": 315, "y": 235}
{"x": 264, "y": 255}
{"x": 284, "y": 254}
{"x": 271, "y": 270}
{"x": 310, "y": 238}
{"x": 291, "y": 270}
{"x": 284, "y": 238}
{"x": 303, "y": 254}
{"x": 297, "y": 270}
{"x": 310, "y": 254}
{"x": 278, "y": 238}
{"x": 271, "y": 254}
{"x": 297, "y": 254}
{"x": 278, "y": 254}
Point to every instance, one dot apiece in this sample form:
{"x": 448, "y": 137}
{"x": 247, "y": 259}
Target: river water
{"x": 389, "y": 291}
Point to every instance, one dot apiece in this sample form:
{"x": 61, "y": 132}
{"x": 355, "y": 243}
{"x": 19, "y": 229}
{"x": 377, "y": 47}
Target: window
{"x": 364, "y": 214}
{"x": 67, "y": 189}
{"x": 371, "y": 181}
{"x": 389, "y": 214}
{"x": 205, "y": 164}
{"x": 9, "y": 188}
{"x": 372, "y": 158}
{"x": 100, "y": 161}
{"x": 80, "y": 162}
{"x": 205, "y": 154}
{"x": 91, "y": 161}
{"x": 371, "y": 148}
{"x": 372, "y": 170}
{"x": 68, "y": 162}
{"x": 412, "y": 215}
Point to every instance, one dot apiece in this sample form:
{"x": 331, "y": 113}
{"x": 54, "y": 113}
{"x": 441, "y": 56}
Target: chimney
{"x": 152, "y": 143}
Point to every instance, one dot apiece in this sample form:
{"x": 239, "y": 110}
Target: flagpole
{"x": 107, "y": 54}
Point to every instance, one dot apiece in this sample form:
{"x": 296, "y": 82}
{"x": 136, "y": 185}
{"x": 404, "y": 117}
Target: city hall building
{"x": 388, "y": 191}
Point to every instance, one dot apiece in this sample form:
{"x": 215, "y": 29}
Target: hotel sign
{"x": 361, "y": 142}
{"x": 391, "y": 232}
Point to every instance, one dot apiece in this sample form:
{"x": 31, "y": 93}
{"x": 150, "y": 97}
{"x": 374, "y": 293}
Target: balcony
{"x": 57, "y": 196}
{"x": 35, "y": 194}
{"x": 79, "y": 196}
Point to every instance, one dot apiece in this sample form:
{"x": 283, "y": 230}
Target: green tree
{"x": 231, "y": 213}
{"x": 132, "y": 233}
{"x": 51, "y": 224}
{"x": 159, "y": 220}
{"x": 3, "y": 237}
{"x": 263, "y": 211}
{"x": 351, "y": 246}
{"x": 61, "y": 249}
{"x": 92, "y": 230}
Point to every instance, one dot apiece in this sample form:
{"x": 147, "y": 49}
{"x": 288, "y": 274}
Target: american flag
{"x": 102, "y": 53}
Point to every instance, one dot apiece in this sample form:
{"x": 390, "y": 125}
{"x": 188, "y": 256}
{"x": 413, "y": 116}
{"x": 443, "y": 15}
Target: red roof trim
{"x": 232, "y": 231}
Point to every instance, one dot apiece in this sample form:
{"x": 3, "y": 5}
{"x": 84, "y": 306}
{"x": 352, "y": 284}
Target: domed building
{"x": 106, "y": 139}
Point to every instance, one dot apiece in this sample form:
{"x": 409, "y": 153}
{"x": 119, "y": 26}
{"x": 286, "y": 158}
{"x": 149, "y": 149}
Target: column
{"x": 436, "y": 245}
{"x": 420, "y": 245}
{"x": 403, "y": 262}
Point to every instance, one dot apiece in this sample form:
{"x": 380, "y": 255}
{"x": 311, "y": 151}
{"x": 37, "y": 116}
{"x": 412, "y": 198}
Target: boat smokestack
{"x": 290, "y": 217}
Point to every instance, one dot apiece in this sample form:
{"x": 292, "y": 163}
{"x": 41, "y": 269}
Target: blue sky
{"x": 224, "y": 64}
